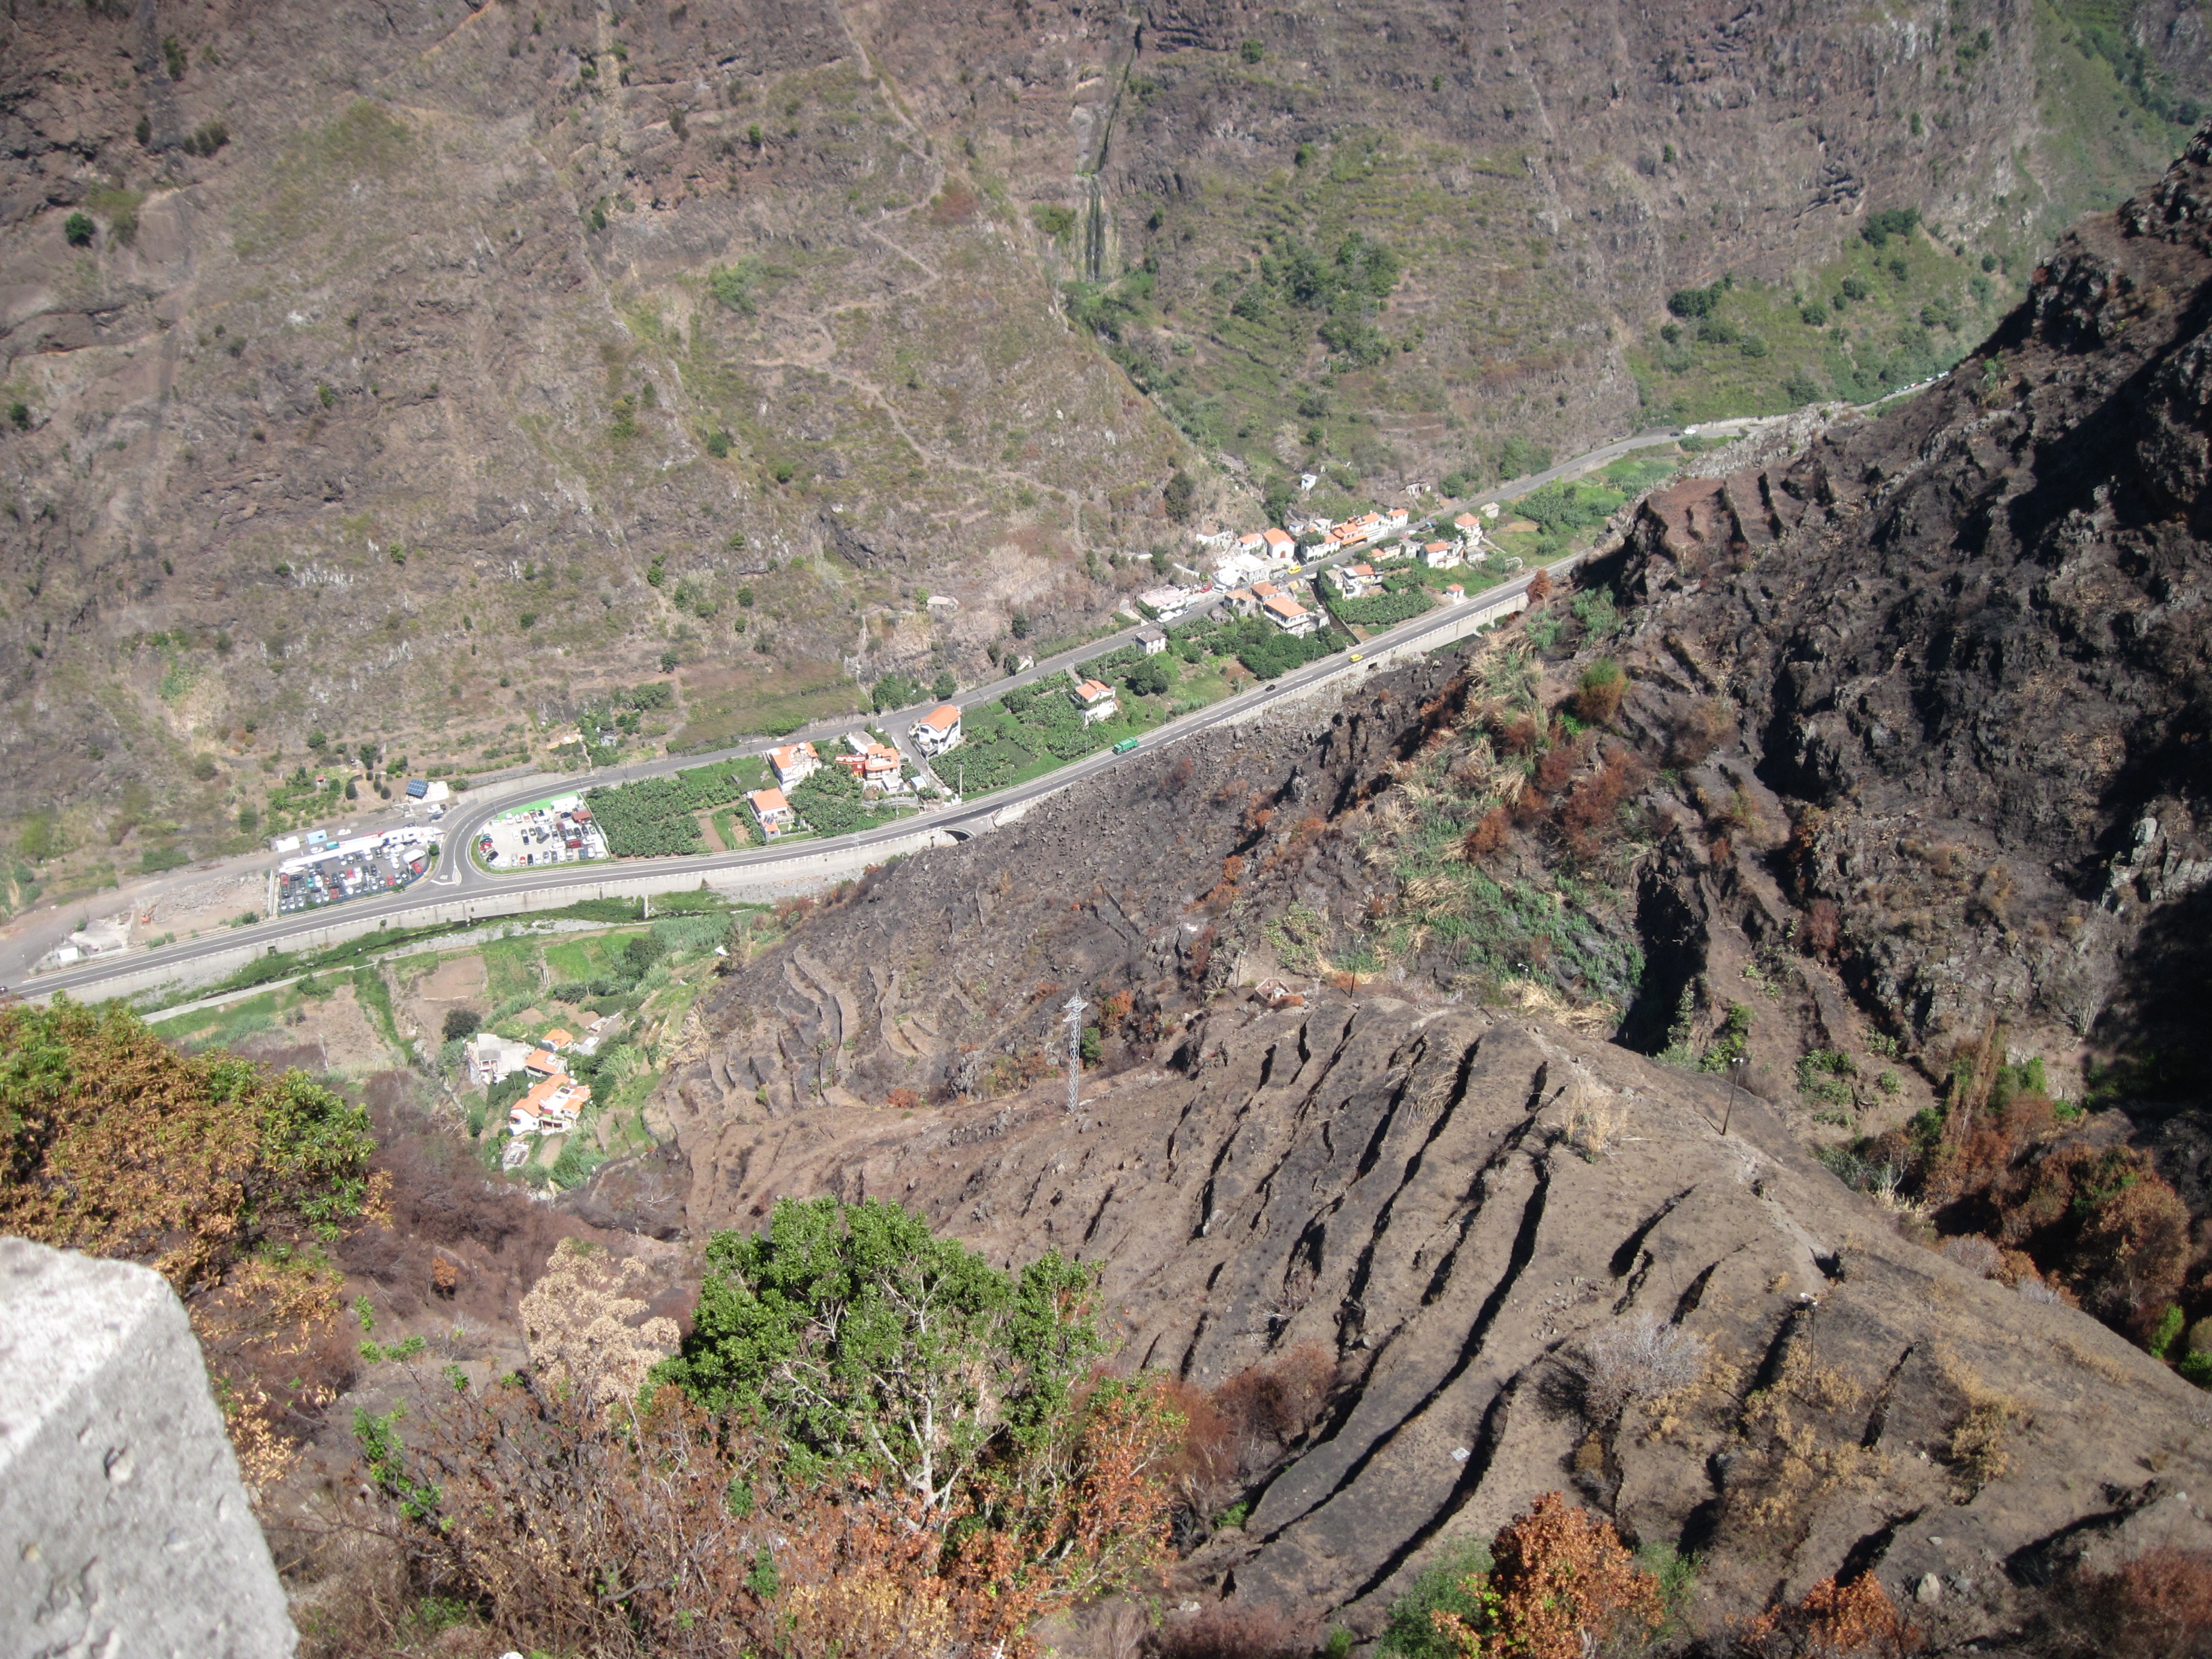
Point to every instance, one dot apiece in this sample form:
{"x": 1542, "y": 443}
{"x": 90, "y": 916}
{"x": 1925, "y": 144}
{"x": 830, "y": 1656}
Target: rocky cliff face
{"x": 388, "y": 388}
{"x": 1969, "y": 648}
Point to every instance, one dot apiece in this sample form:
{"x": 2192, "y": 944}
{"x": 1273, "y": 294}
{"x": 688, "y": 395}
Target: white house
{"x": 489, "y": 1057}
{"x": 938, "y": 731}
{"x": 1287, "y": 614}
{"x": 1152, "y": 640}
{"x": 1165, "y": 603}
{"x": 1442, "y": 555}
{"x": 1096, "y": 701}
{"x": 1355, "y": 580}
{"x": 1241, "y": 569}
{"x": 1281, "y": 546}
{"x": 794, "y": 764}
{"x": 773, "y": 811}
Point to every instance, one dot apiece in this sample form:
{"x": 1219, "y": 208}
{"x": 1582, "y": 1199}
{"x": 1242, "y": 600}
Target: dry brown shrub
{"x": 1703, "y": 727}
{"x": 587, "y": 1322}
{"x": 1635, "y": 1362}
{"x": 902, "y": 1100}
{"x": 1563, "y": 1587}
{"x": 1856, "y": 1621}
{"x": 1202, "y": 1470}
{"x": 1278, "y": 1400}
{"x": 1977, "y": 1255}
{"x": 1801, "y": 1445}
{"x": 1597, "y": 699}
{"x": 1539, "y": 587}
{"x": 1489, "y": 837}
{"x": 1590, "y": 815}
{"x": 1201, "y": 952}
{"x": 1979, "y": 1447}
{"x": 1519, "y": 736}
{"x": 2156, "y": 1606}
{"x": 954, "y": 204}
{"x": 1823, "y": 928}
{"x": 1231, "y": 1631}
{"x": 1558, "y": 767}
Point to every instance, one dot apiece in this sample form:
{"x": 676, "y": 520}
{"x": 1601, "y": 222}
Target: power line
{"x": 1073, "y": 1012}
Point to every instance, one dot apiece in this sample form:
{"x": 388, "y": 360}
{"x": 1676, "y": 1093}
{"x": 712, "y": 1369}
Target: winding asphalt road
{"x": 459, "y": 877}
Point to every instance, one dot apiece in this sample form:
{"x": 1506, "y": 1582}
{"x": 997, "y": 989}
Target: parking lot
{"x": 557, "y": 831}
{"x": 353, "y": 869}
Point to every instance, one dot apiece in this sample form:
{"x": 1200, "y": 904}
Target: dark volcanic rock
{"x": 1969, "y": 645}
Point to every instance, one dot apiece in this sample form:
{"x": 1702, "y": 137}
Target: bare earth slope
{"x": 1448, "y": 1201}
{"x": 392, "y": 364}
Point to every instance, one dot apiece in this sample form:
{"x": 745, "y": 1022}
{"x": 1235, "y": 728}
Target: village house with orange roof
{"x": 939, "y": 730}
{"x": 773, "y": 811}
{"x": 794, "y": 764}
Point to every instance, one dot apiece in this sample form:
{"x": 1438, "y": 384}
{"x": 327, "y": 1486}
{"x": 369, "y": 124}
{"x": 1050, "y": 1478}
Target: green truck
{"x": 1125, "y": 745}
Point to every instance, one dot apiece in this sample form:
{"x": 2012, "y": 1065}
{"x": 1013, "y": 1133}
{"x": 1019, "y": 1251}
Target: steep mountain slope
{"x": 388, "y": 387}
{"x": 1896, "y": 797}
{"x": 1967, "y": 647}
{"x": 1449, "y": 1205}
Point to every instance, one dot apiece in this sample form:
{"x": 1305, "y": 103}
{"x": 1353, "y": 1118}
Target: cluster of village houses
{"x": 880, "y": 769}
{"x": 556, "y": 1100}
{"x": 1249, "y": 564}
{"x": 1246, "y": 570}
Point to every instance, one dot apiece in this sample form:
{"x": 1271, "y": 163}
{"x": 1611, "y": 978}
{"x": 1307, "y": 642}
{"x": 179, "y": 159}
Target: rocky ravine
{"x": 1449, "y": 1202}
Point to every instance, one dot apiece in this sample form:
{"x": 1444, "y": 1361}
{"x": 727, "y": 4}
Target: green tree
{"x": 869, "y": 1348}
{"x": 895, "y": 690}
{"x": 944, "y": 686}
{"x": 734, "y": 285}
{"x": 78, "y": 228}
{"x": 1179, "y": 494}
{"x": 36, "y": 841}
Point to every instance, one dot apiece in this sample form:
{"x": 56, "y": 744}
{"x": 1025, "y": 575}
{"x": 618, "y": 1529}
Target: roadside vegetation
{"x": 230, "y": 1179}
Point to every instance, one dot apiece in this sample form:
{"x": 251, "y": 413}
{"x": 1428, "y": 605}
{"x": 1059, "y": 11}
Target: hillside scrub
{"x": 118, "y": 1145}
{"x": 229, "y": 1181}
{"x": 871, "y": 1442}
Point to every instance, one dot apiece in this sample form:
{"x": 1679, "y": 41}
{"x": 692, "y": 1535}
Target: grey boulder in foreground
{"x": 124, "y": 1527}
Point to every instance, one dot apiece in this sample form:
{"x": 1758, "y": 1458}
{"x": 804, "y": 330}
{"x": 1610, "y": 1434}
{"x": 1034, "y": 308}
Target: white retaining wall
{"x": 800, "y": 872}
